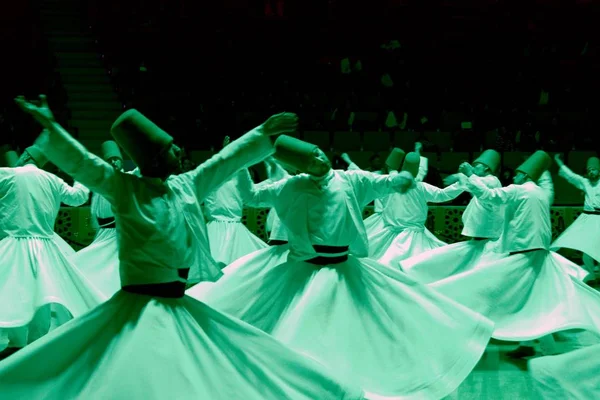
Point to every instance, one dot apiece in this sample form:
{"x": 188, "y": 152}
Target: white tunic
{"x": 409, "y": 210}
{"x": 527, "y": 223}
{"x": 225, "y": 204}
{"x": 481, "y": 218}
{"x": 583, "y": 233}
{"x": 30, "y": 198}
{"x": 591, "y": 191}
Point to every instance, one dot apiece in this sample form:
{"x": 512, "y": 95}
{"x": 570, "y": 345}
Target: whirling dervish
{"x": 150, "y": 341}
{"x": 404, "y": 233}
{"x": 39, "y": 288}
{"x": 370, "y": 322}
{"x": 584, "y": 233}
{"x": 531, "y": 292}
{"x": 482, "y": 225}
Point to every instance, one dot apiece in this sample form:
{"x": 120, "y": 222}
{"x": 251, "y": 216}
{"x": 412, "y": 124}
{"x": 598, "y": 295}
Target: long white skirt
{"x": 64, "y": 247}
{"x": 231, "y": 240}
{"x": 572, "y": 376}
{"x": 582, "y": 235}
{"x": 374, "y": 223}
{"x": 99, "y": 262}
{"x": 142, "y": 347}
{"x": 389, "y": 246}
{"x": 373, "y": 324}
{"x": 452, "y": 259}
{"x": 265, "y": 258}
{"x": 35, "y": 278}
{"x": 527, "y": 295}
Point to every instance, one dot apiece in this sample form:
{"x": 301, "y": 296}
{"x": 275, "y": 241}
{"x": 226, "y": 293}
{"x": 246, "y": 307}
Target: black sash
{"x": 172, "y": 290}
{"x": 329, "y": 260}
{"x": 522, "y": 251}
{"x": 277, "y": 242}
{"x": 106, "y": 223}
{"x": 591, "y": 212}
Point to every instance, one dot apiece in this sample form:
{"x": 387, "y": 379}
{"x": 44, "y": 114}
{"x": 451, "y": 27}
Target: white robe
{"x": 572, "y": 376}
{"x": 35, "y": 276}
{"x": 99, "y": 261}
{"x": 584, "y": 233}
{"x": 228, "y": 237}
{"x": 529, "y": 294}
{"x": 369, "y": 322}
{"x": 404, "y": 233}
{"x": 148, "y": 347}
{"x": 481, "y": 219}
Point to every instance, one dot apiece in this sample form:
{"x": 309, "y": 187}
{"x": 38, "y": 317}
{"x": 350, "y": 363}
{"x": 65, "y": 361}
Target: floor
{"x": 497, "y": 377}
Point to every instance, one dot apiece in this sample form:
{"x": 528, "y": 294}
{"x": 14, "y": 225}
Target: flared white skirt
{"x": 527, "y": 295}
{"x": 99, "y": 262}
{"x": 36, "y": 279}
{"x": 452, "y": 259}
{"x": 142, "y": 347}
{"x": 231, "y": 240}
{"x": 572, "y": 376}
{"x": 390, "y": 246}
{"x": 373, "y": 324}
{"x": 582, "y": 235}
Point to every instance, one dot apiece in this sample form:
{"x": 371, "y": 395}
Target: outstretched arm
{"x": 574, "y": 179}
{"x": 434, "y": 194}
{"x": 258, "y": 195}
{"x": 75, "y": 195}
{"x": 249, "y": 149}
{"x": 478, "y": 187}
{"x": 70, "y": 155}
{"x": 369, "y": 186}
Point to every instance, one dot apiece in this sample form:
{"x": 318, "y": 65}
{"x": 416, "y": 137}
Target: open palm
{"x": 41, "y": 112}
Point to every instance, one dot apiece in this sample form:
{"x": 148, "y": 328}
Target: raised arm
{"x": 423, "y": 169}
{"x": 75, "y": 195}
{"x": 434, "y": 194}
{"x": 369, "y": 186}
{"x": 478, "y": 188}
{"x": 275, "y": 171}
{"x": 576, "y": 180}
{"x": 70, "y": 156}
{"x": 248, "y": 150}
{"x": 261, "y": 195}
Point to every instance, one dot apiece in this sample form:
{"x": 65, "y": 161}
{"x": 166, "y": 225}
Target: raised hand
{"x": 41, "y": 112}
{"x": 279, "y": 124}
{"x": 466, "y": 169}
{"x": 226, "y": 141}
{"x": 418, "y": 147}
{"x": 558, "y": 160}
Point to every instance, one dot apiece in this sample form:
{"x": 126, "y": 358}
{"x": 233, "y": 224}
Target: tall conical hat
{"x": 141, "y": 138}
{"x": 10, "y": 158}
{"x": 110, "y": 149}
{"x": 411, "y": 163}
{"x": 489, "y": 158}
{"x": 394, "y": 160}
{"x": 535, "y": 165}
{"x": 593, "y": 162}
{"x": 294, "y": 153}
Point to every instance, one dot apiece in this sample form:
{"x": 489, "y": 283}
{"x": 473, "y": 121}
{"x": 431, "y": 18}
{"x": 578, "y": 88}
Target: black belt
{"x": 106, "y": 223}
{"x": 277, "y": 242}
{"x": 172, "y": 290}
{"x": 589, "y": 212}
{"x": 522, "y": 251}
{"x": 326, "y": 260}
